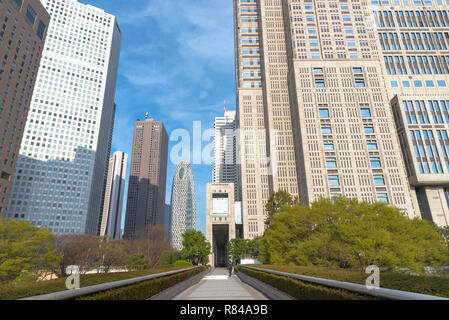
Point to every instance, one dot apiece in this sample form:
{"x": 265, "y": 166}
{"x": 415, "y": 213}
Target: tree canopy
{"x": 239, "y": 247}
{"x": 276, "y": 202}
{"x": 26, "y": 252}
{"x": 195, "y": 247}
{"x": 347, "y": 233}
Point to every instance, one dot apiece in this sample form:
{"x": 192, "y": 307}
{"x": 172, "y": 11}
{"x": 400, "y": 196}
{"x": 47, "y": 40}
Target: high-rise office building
{"x": 22, "y": 40}
{"x": 183, "y": 203}
{"x": 414, "y": 46}
{"x": 310, "y": 75}
{"x": 225, "y": 151}
{"x": 147, "y": 178}
{"x": 115, "y": 187}
{"x": 61, "y": 171}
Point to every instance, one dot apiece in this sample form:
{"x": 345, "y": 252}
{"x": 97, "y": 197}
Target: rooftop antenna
{"x": 146, "y": 116}
{"x": 225, "y": 105}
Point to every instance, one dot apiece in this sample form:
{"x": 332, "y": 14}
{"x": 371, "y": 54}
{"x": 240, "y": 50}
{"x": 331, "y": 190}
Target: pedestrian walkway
{"x": 218, "y": 286}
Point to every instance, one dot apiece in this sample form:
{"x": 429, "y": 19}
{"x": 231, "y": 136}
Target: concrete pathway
{"x": 218, "y": 286}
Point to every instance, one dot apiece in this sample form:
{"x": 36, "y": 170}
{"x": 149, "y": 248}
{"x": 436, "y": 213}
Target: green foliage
{"x": 430, "y": 285}
{"x": 26, "y": 252}
{"x": 277, "y": 202}
{"x": 136, "y": 262}
{"x": 346, "y": 233}
{"x": 240, "y": 247}
{"x": 143, "y": 290}
{"x": 195, "y": 247}
{"x": 302, "y": 290}
{"x": 170, "y": 257}
{"x": 14, "y": 291}
{"x": 182, "y": 263}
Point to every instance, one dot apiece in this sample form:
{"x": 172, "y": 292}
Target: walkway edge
{"x": 170, "y": 293}
{"x": 268, "y": 291}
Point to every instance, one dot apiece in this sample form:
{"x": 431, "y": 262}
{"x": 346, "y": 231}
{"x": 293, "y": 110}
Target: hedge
{"x": 302, "y": 290}
{"x": 30, "y": 289}
{"x": 143, "y": 290}
{"x": 431, "y": 285}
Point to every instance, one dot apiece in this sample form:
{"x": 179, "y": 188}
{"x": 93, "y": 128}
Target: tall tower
{"x": 414, "y": 43}
{"x": 19, "y": 63}
{"x": 310, "y": 75}
{"x": 148, "y": 175}
{"x": 225, "y": 151}
{"x": 183, "y": 203}
{"x": 267, "y": 154}
{"x": 61, "y": 171}
{"x": 115, "y": 187}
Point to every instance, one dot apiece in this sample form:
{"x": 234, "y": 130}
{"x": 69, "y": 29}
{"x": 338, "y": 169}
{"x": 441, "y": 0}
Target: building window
{"x": 334, "y": 181}
{"x": 379, "y": 180}
{"x": 326, "y": 129}
{"x": 375, "y": 162}
{"x": 369, "y": 128}
{"x": 324, "y": 113}
{"x": 41, "y": 30}
{"x": 365, "y": 112}
{"x": 30, "y": 16}
{"x": 329, "y": 145}
{"x": 382, "y": 197}
{"x": 319, "y": 83}
{"x": 331, "y": 162}
{"x": 372, "y": 144}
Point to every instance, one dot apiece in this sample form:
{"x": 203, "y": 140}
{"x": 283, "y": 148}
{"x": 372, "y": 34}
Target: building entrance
{"x": 220, "y": 238}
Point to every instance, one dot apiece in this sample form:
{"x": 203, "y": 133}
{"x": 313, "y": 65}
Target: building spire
{"x": 146, "y": 116}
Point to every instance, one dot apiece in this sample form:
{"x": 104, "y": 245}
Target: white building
{"x": 183, "y": 203}
{"x": 113, "y": 199}
{"x": 225, "y": 151}
{"x": 60, "y": 176}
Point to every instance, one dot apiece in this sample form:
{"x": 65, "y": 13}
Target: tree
{"x": 151, "y": 243}
{"x": 26, "y": 252}
{"x": 111, "y": 253}
{"x": 78, "y": 249}
{"x": 347, "y": 233}
{"x": 236, "y": 248}
{"x": 195, "y": 247}
{"x": 276, "y": 202}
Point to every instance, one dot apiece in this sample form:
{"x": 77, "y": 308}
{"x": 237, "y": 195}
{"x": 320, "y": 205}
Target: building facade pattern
{"x": 148, "y": 175}
{"x": 183, "y": 203}
{"x": 61, "y": 173}
{"x": 414, "y": 42}
{"x": 22, "y": 35}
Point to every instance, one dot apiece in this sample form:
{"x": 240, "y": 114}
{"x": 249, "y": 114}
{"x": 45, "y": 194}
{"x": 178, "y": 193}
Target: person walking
{"x": 230, "y": 263}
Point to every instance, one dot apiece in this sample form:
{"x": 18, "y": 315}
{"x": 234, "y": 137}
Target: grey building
{"x": 183, "y": 203}
{"x": 115, "y": 186}
{"x": 148, "y": 175}
{"x": 61, "y": 171}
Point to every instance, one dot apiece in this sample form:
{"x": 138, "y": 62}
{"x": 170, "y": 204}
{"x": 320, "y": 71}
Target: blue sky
{"x": 177, "y": 63}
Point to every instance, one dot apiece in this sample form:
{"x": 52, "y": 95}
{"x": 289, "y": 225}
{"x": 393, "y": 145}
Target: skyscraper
{"x": 414, "y": 43}
{"x": 21, "y": 44}
{"x": 183, "y": 203}
{"x": 310, "y": 76}
{"x": 148, "y": 175}
{"x": 61, "y": 172}
{"x": 225, "y": 151}
{"x": 115, "y": 187}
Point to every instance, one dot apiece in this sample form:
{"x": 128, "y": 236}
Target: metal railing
{"x": 353, "y": 287}
{"x": 71, "y": 294}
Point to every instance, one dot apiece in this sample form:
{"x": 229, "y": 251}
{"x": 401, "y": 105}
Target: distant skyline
{"x": 177, "y": 64}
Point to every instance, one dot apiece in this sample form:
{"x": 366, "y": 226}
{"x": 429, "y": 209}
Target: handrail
{"x": 354, "y": 287}
{"x": 70, "y": 294}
